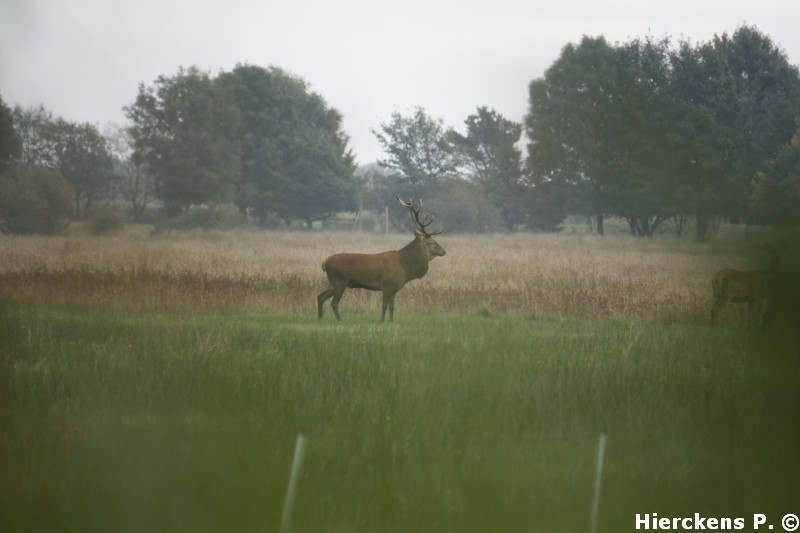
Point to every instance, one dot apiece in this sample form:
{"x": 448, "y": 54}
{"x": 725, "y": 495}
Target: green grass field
{"x": 186, "y": 421}
{"x": 159, "y": 383}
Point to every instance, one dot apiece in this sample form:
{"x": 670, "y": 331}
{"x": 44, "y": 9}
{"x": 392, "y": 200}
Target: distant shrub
{"x": 34, "y": 200}
{"x": 270, "y": 221}
{"x": 463, "y": 208}
{"x": 105, "y": 220}
{"x": 214, "y": 217}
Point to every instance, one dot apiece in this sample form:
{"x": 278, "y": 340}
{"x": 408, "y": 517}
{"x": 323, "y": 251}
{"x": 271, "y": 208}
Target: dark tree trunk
{"x": 702, "y": 227}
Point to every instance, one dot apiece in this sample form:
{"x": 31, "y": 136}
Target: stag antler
{"x": 426, "y": 220}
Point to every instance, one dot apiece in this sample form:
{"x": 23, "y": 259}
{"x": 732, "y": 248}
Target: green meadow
{"x": 121, "y": 411}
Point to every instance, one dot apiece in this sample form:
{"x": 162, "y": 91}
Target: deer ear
{"x": 418, "y": 233}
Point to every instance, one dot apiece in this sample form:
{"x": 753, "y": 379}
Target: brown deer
{"x": 741, "y": 287}
{"x": 755, "y": 288}
{"x": 387, "y": 272}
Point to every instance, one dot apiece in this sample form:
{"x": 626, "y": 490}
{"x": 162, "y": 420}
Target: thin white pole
{"x": 291, "y": 491}
{"x": 598, "y": 476}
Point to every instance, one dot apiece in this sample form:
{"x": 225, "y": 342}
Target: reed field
{"x": 531, "y": 275}
{"x": 157, "y": 383}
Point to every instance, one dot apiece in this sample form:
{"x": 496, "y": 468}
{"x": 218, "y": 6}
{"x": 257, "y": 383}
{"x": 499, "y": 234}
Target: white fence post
{"x": 598, "y": 476}
{"x": 291, "y": 491}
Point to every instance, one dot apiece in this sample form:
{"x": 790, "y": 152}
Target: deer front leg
{"x": 388, "y": 303}
{"x": 384, "y": 305}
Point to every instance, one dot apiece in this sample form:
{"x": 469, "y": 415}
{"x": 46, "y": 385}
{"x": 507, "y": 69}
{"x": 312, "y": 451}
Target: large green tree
{"x": 495, "y": 163}
{"x": 38, "y": 131}
{"x": 10, "y": 143}
{"x": 754, "y": 95}
{"x": 79, "y": 152}
{"x": 295, "y": 158}
{"x": 642, "y": 184}
{"x": 418, "y": 147}
{"x": 133, "y": 182}
{"x": 693, "y": 139}
{"x": 186, "y": 131}
{"x": 775, "y": 191}
{"x": 567, "y": 113}
{"x": 595, "y": 130}
{"x": 735, "y": 100}
{"x": 644, "y": 132}
{"x": 34, "y": 199}
{"x": 83, "y": 158}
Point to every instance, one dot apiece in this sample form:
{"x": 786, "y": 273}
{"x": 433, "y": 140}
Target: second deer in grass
{"x": 738, "y": 286}
{"x": 759, "y": 289}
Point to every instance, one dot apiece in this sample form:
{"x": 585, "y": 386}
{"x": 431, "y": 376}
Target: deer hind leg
{"x": 337, "y": 295}
{"x": 323, "y": 296}
{"x": 719, "y": 301}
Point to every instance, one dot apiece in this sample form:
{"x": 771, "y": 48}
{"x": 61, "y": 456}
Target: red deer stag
{"x": 387, "y": 272}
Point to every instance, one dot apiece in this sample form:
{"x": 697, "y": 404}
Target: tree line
{"x": 642, "y": 130}
{"x": 646, "y": 132}
{"x": 254, "y": 137}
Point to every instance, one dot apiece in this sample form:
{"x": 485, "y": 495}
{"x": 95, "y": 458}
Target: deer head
{"x": 425, "y": 239}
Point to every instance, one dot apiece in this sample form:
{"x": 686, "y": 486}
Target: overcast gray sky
{"x": 84, "y": 59}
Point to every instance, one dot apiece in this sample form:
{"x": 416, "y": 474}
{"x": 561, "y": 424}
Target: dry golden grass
{"x": 529, "y": 274}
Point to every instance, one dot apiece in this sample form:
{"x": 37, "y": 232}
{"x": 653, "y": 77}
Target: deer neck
{"x": 414, "y": 259}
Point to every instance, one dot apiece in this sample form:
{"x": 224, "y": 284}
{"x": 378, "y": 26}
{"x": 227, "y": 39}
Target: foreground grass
{"x": 182, "y": 421}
